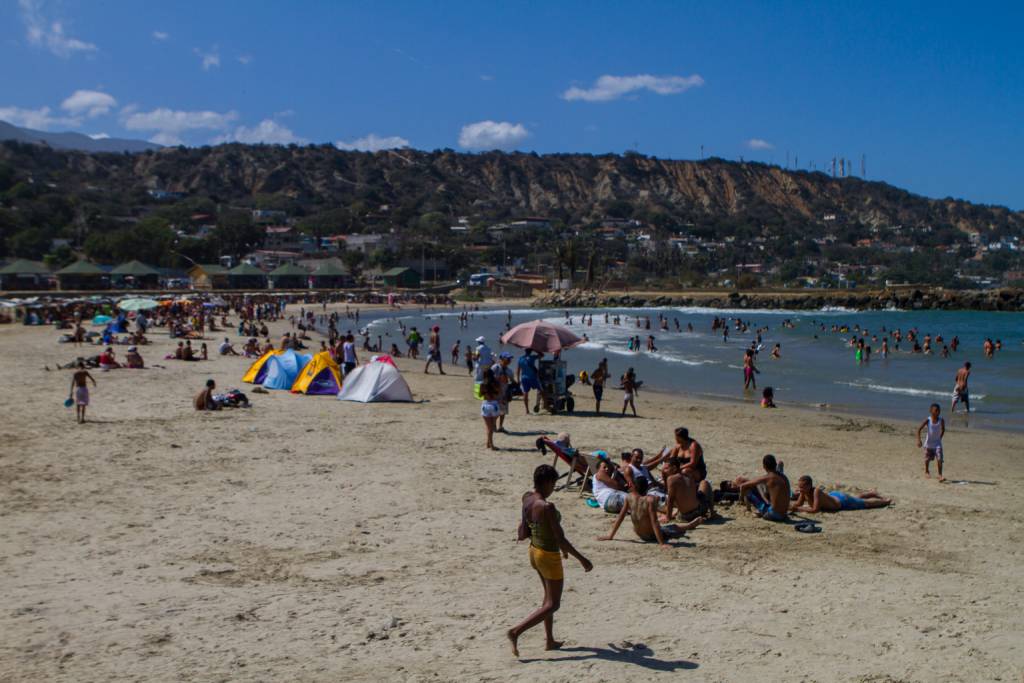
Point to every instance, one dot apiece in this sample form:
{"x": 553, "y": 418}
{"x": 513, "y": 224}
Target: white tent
{"x": 374, "y": 382}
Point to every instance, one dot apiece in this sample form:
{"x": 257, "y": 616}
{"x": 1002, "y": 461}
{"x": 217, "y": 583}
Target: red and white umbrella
{"x": 541, "y": 336}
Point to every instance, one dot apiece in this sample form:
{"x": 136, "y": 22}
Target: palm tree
{"x": 591, "y": 266}
{"x": 559, "y": 253}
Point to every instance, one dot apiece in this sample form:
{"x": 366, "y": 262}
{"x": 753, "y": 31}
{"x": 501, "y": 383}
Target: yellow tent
{"x": 258, "y": 369}
{"x": 320, "y": 376}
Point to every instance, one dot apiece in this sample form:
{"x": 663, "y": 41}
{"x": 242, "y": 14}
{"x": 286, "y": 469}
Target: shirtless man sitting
{"x": 813, "y": 498}
{"x": 773, "y": 504}
{"x": 204, "y": 399}
{"x": 690, "y": 500}
{"x": 643, "y": 512}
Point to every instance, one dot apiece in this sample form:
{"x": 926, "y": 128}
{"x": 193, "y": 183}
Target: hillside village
{"x": 313, "y": 217}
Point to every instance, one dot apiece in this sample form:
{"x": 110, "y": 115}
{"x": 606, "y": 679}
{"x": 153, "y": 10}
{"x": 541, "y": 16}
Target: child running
{"x": 932, "y": 445}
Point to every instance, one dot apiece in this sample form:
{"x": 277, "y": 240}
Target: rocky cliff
{"x": 573, "y": 187}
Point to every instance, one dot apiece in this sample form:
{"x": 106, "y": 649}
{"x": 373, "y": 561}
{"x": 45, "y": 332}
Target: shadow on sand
{"x": 638, "y": 655}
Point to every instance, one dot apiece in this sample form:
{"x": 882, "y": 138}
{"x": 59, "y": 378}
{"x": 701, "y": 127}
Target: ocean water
{"x": 817, "y": 368}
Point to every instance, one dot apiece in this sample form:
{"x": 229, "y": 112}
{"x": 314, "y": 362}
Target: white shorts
{"x": 627, "y": 397}
{"x": 490, "y": 409}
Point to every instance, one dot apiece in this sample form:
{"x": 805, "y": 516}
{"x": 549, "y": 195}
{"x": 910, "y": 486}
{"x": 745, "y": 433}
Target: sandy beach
{"x": 311, "y": 539}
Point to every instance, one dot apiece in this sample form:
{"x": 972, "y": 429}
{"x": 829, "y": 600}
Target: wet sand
{"x": 311, "y": 539}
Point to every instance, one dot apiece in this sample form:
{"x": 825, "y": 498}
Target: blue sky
{"x": 931, "y": 94}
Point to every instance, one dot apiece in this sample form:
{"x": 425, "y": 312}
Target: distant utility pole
{"x": 863, "y": 162}
{"x": 787, "y": 158}
{"x": 702, "y": 152}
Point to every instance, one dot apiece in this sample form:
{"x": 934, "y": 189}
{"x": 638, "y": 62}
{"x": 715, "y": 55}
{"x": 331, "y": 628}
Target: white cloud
{"x": 758, "y": 143}
{"x": 209, "y": 59}
{"x": 608, "y": 88}
{"x": 267, "y": 132}
{"x": 244, "y": 59}
{"x": 38, "y": 119}
{"x": 99, "y": 136}
{"x": 373, "y": 143}
{"x": 91, "y": 103}
{"x": 161, "y": 35}
{"x": 492, "y": 135}
{"x": 170, "y": 124}
{"x": 42, "y": 32}
{"x": 486, "y": 77}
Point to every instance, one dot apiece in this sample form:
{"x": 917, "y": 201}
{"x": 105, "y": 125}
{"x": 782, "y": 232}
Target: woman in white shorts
{"x": 490, "y": 409}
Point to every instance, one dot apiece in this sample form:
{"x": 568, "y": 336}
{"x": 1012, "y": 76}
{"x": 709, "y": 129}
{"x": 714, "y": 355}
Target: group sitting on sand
{"x": 683, "y": 495}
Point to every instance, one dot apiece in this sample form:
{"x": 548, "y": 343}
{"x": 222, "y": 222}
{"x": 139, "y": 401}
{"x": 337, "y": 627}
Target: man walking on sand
{"x": 80, "y": 390}
{"x": 960, "y": 392}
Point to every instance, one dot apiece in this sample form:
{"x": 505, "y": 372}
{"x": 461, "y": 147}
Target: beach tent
{"x": 321, "y": 376}
{"x": 283, "y": 369}
{"x": 383, "y": 358}
{"x": 375, "y": 382}
{"x": 258, "y": 370}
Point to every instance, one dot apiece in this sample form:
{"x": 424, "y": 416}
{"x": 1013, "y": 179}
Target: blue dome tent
{"x": 283, "y": 368}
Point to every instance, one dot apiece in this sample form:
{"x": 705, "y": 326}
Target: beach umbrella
{"x": 541, "y": 336}
{"x": 101, "y": 320}
{"x": 138, "y": 304}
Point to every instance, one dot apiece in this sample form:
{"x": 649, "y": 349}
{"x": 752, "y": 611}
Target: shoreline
{"x": 913, "y": 298}
{"x": 904, "y": 298}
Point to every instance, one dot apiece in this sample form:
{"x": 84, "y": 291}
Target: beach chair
{"x": 582, "y": 464}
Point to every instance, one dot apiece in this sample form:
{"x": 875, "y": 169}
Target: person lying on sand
{"x": 643, "y": 512}
{"x": 690, "y": 499}
{"x": 815, "y": 499}
{"x": 768, "y": 493}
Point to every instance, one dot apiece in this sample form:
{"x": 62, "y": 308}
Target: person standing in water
{"x": 597, "y": 379}
{"x": 960, "y": 392}
{"x": 749, "y": 369}
{"x": 542, "y": 524}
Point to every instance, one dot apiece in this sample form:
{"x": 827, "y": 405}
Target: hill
{"x": 755, "y": 213}
{"x": 73, "y": 141}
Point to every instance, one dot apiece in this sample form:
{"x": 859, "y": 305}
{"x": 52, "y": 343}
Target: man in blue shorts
{"x": 528, "y": 378}
{"x": 768, "y": 493}
{"x": 816, "y": 499}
